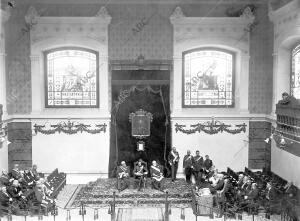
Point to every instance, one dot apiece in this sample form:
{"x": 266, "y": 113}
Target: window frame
{"x": 233, "y": 77}
{"x": 46, "y": 52}
{"x": 291, "y": 66}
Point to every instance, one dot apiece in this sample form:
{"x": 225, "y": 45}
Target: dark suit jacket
{"x": 253, "y": 194}
{"x": 4, "y": 179}
{"x": 28, "y": 178}
{"x": 143, "y": 169}
{"x": 121, "y": 169}
{"x": 16, "y": 174}
{"x": 188, "y": 161}
{"x": 4, "y": 197}
{"x": 271, "y": 194}
{"x": 171, "y": 157}
{"x": 39, "y": 194}
{"x": 14, "y": 191}
{"x": 156, "y": 172}
{"x": 220, "y": 185}
{"x": 198, "y": 163}
{"x": 291, "y": 191}
{"x": 207, "y": 164}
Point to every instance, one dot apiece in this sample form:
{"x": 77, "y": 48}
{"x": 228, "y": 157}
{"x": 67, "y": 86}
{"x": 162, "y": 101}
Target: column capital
{"x": 34, "y": 57}
{"x": 177, "y": 58}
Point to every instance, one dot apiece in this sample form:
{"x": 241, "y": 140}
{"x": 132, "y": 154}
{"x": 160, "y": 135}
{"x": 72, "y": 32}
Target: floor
{"x": 66, "y": 213}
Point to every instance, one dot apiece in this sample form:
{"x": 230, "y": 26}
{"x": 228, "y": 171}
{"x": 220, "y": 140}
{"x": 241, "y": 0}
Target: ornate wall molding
{"x": 218, "y": 28}
{"x": 211, "y": 128}
{"x": 54, "y": 32}
{"x": 229, "y": 33}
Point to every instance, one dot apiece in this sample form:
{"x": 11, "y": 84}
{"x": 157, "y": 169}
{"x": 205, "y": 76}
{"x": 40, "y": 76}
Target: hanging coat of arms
{"x": 140, "y": 123}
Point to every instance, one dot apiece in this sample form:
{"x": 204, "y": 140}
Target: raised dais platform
{"x": 100, "y": 193}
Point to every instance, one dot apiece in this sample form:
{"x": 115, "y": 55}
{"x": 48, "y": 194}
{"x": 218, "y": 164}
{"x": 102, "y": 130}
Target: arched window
{"x": 295, "y": 76}
{"x": 71, "y": 77}
{"x": 208, "y": 78}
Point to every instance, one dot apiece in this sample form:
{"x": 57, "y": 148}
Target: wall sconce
{"x": 279, "y": 139}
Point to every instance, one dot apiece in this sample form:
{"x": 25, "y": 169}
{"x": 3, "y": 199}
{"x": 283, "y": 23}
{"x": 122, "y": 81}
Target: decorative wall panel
{"x": 259, "y": 150}
{"x": 20, "y": 148}
{"x": 136, "y": 29}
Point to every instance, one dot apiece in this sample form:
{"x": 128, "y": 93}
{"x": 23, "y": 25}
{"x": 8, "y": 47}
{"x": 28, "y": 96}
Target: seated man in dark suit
{"x": 5, "y": 198}
{"x": 290, "y": 190}
{"x": 34, "y": 172}
{"x": 244, "y": 189}
{"x": 218, "y": 185}
{"x": 240, "y": 182}
{"x": 16, "y": 193}
{"x": 28, "y": 179}
{"x": 271, "y": 198}
{"x": 140, "y": 172}
{"x": 5, "y": 179}
{"x": 156, "y": 175}
{"x": 251, "y": 197}
{"x": 42, "y": 195}
{"x": 16, "y": 173}
{"x": 123, "y": 176}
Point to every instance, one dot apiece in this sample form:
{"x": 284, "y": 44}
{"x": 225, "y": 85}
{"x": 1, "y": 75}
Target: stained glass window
{"x": 295, "y": 77}
{"x": 71, "y": 78}
{"x": 208, "y": 78}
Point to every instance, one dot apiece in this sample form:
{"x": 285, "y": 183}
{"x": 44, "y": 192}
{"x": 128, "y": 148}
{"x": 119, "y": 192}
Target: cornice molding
{"x": 30, "y": 118}
{"x": 233, "y": 117}
{"x": 146, "y": 2}
{"x": 285, "y": 15}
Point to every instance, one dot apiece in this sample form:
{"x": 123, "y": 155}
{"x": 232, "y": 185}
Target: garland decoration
{"x": 212, "y": 127}
{"x": 70, "y": 128}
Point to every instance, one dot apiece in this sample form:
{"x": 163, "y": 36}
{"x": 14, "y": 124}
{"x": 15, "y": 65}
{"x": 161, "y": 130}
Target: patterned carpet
{"x": 100, "y": 193}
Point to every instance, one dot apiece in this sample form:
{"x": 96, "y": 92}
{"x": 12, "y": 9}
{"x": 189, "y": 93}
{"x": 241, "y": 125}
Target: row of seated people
{"x": 252, "y": 192}
{"x": 242, "y": 192}
{"x": 24, "y": 190}
{"x": 140, "y": 173}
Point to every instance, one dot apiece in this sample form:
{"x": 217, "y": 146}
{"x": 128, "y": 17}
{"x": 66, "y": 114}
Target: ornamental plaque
{"x": 140, "y": 123}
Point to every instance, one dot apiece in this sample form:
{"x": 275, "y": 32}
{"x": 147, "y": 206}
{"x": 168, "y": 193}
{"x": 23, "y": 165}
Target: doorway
{"x": 133, "y": 90}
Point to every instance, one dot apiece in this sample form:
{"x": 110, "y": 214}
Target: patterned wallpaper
{"x": 261, "y": 64}
{"x": 135, "y": 29}
{"x": 18, "y": 64}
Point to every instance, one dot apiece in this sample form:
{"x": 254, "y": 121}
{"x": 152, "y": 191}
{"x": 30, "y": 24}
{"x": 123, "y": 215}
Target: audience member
{"x": 16, "y": 173}
{"x": 5, "y": 198}
{"x": 123, "y": 175}
{"x": 218, "y": 184}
